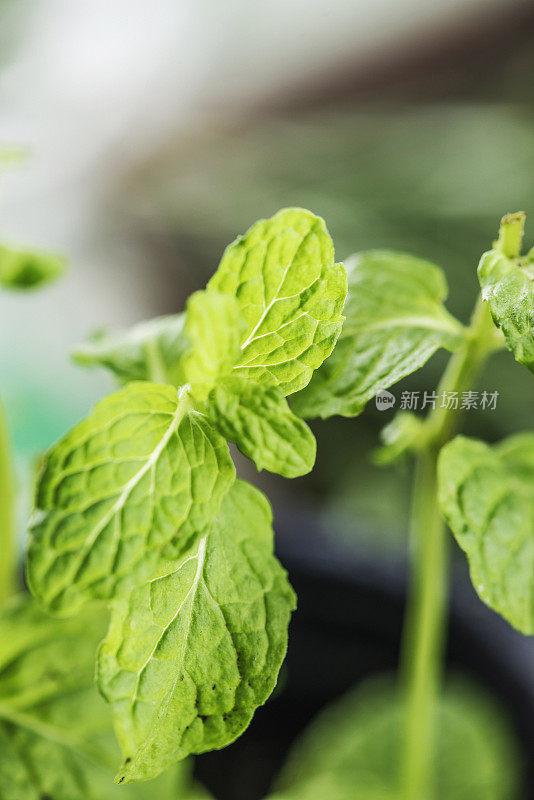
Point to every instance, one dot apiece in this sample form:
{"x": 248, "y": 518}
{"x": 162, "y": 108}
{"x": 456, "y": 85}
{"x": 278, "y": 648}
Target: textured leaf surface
{"x": 486, "y": 496}
{"x": 356, "y": 745}
{"x": 191, "y": 655}
{"x": 259, "y": 420}
{"x": 395, "y": 320}
{"x": 28, "y": 269}
{"x": 291, "y": 295}
{"x": 56, "y": 738}
{"x": 142, "y": 471}
{"x": 213, "y": 327}
{"x": 149, "y": 351}
{"x": 507, "y": 285}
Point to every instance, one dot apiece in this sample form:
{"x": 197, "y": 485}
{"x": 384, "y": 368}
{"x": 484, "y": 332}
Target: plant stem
{"x": 425, "y": 623}
{"x": 511, "y": 234}
{"x": 481, "y": 339}
{"x": 424, "y": 631}
{"x": 8, "y": 545}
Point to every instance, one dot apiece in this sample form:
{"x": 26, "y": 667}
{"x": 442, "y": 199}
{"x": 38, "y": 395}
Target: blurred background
{"x": 154, "y": 132}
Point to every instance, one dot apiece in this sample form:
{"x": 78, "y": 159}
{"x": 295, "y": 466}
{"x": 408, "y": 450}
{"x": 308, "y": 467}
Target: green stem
{"x": 511, "y": 234}
{"x": 8, "y": 544}
{"x": 424, "y": 631}
{"x": 481, "y": 339}
{"x": 425, "y": 623}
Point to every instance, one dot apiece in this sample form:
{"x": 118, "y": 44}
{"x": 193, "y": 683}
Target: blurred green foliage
{"x": 354, "y": 749}
{"x": 28, "y": 269}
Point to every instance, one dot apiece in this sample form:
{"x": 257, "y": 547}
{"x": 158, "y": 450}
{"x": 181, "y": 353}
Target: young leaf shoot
{"x": 139, "y": 505}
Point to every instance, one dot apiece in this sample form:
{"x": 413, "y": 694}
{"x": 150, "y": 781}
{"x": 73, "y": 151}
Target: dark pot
{"x": 347, "y": 627}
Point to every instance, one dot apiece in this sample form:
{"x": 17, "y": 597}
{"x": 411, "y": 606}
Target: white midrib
{"x": 280, "y": 327}
{"x": 265, "y": 311}
{"x": 181, "y": 410}
{"x": 276, "y": 299}
{"x": 201, "y": 556}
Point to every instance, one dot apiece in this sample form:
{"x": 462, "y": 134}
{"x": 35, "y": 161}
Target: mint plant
{"x": 138, "y": 508}
{"x": 395, "y": 320}
{"x": 139, "y": 504}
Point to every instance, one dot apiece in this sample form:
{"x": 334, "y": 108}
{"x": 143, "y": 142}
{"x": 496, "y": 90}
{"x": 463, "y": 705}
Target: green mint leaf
{"x": 28, "y": 269}
{"x": 508, "y": 288}
{"x": 213, "y": 326}
{"x": 358, "y": 742}
{"x": 56, "y": 738}
{"x": 395, "y": 320}
{"x": 191, "y": 655}
{"x": 486, "y": 498}
{"x": 149, "y": 351}
{"x": 291, "y": 295}
{"x": 143, "y": 470}
{"x": 401, "y": 436}
{"x": 259, "y": 420}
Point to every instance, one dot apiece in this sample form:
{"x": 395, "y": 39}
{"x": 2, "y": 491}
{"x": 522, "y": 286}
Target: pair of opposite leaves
{"x": 289, "y": 293}
{"x": 140, "y": 504}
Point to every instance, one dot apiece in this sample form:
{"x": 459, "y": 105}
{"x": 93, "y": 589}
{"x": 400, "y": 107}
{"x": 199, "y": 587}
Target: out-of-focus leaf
{"x": 334, "y": 787}
{"x": 28, "y": 269}
{"x": 149, "y": 351}
{"x": 399, "y": 437}
{"x": 56, "y": 738}
{"x": 356, "y": 746}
